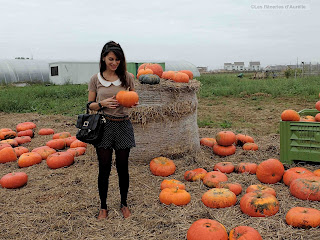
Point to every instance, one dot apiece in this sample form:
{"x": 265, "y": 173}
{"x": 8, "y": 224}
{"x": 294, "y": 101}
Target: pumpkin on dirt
{"x": 78, "y": 143}
{"x": 20, "y": 150}
{"x": 172, "y": 183}
{"x": 259, "y": 204}
{"x": 236, "y": 188}
{"x": 303, "y": 217}
{"x": 209, "y": 229}
{"x": 270, "y": 171}
{"x": 242, "y": 139}
{"x": 23, "y": 139}
{"x": 224, "y": 167}
{"x": 28, "y": 132}
{"x": 195, "y": 174}
{"x": 209, "y": 142}
{"x": 11, "y": 142}
{"x": 219, "y": 198}
{"x": 59, "y": 160}
{"x": 44, "y": 151}
{"x": 162, "y": 166}
{"x": 250, "y": 147}
{"x": 61, "y": 135}
{"x": 28, "y": 159}
{"x": 294, "y": 173}
{"x": 4, "y": 145}
{"x": 262, "y": 188}
{"x": 7, "y": 154}
{"x": 6, "y": 134}
{"x": 317, "y": 172}
{"x": 155, "y": 67}
{"x": 246, "y": 167}
{"x": 290, "y": 115}
{"x": 223, "y": 150}
{"x": 174, "y": 196}
{"x": 306, "y": 188}
{"x": 77, "y": 151}
{"x": 69, "y": 140}
{"x": 243, "y": 233}
{"x": 46, "y": 131}
{"x": 57, "y": 144}
{"x": 213, "y": 178}
{"x": 225, "y": 138}
{"x": 25, "y": 126}
{"x": 127, "y": 98}
{"x": 14, "y": 180}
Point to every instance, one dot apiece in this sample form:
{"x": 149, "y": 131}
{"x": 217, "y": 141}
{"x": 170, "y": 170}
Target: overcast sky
{"x": 203, "y": 32}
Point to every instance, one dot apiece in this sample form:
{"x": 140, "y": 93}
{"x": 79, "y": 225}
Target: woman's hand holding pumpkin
{"x": 110, "y": 102}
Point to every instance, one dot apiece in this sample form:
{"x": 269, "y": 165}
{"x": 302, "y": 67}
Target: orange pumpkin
{"x": 57, "y": 143}
{"x": 244, "y": 167}
{"x": 7, "y": 154}
{"x": 224, "y": 167}
{"x": 78, "y": 143}
{"x": 207, "y": 229}
{"x": 303, "y": 217}
{"x": 181, "y": 77}
{"x": 174, "y": 196}
{"x": 259, "y": 204}
{"x": 243, "y": 233}
{"x": 69, "y": 140}
{"x": 14, "y": 180}
{"x": 242, "y": 139}
{"x": 290, "y": 115}
{"x": 317, "y": 117}
{"x": 262, "y": 188}
{"x": 307, "y": 119}
{"x": 155, "y": 67}
{"x": 4, "y": 145}
{"x": 306, "y": 188}
{"x": 20, "y": 150}
{"x": 61, "y": 135}
{"x": 195, "y": 174}
{"x": 144, "y": 72}
{"x": 316, "y": 172}
{"x": 162, "y": 166}
{"x": 28, "y": 159}
{"x": 250, "y": 147}
{"x": 209, "y": 142}
{"x": 168, "y": 75}
{"x": 77, "y": 151}
{"x": 59, "y": 160}
{"x": 25, "y": 126}
{"x": 225, "y": 138}
{"x": 23, "y": 139}
{"x": 223, "y": 151}
{"x": 172, "y": 183}
{"x": 236, "y": 188}
{"x": 10, "y": 141}
{"x": 294, "y": 173}
{"x": 6, "y": 134}
{"x": 270, "y": 171}
{"x": 318, "y": 105}
{"x": 219, "y": 198}
{"x": 44, "y": 151}
{"x": 213, "y": 178}
{"x": 46, "y": 131}
{"x": 127, "y": 98}
{"x": 188, "y": 72}
{"x": 28, "y": 132}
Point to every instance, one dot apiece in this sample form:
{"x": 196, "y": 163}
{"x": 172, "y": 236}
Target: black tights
{"x": 105, "y": 161}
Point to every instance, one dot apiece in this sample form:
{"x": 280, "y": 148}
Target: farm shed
{"x": 23, "y": 70}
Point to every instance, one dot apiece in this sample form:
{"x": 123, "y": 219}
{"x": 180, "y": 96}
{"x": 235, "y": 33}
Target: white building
{"x": 254, "y": 66}
{"x": 239, "y": 66}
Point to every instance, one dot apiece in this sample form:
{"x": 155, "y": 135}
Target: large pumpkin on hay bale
{"x": 166, "y": 112}
{"x": 149, "y": 79}
{"x": 207, "y": 229}
{"x": 155, "y": 67}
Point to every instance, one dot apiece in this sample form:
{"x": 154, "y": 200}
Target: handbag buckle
{"x": 85, "y": 123}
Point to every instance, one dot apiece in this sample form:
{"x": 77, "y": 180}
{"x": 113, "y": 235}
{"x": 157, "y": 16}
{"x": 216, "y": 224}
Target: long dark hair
{"x": 122, "y": 68}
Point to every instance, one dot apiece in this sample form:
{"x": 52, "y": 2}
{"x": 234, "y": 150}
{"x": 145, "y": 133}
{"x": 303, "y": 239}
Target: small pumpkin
{"x": 57, "y": 144}
{"x": 236, "y": 188}
{"x": 11, "y": 142}
{"x": 306, "y": 188}
{"x": 44, "y": 151}
{"x": 25, "y": 126}
{"x": 149, "y": 79}
{"x": 4, "y": 145}
{"x": 23, "y": 139}
{"x": 223, "y": 150}
{"x": 317, "y": 117}
{"x": 246, "y": 167}
{"x": 315, "y": 172}
{"x": 250, "y": 147}
{"x": 78, "y": 143}
{"x": 155, "y": 67}
{"x": 259, "y": 204}
{"x": 262, "y": 188}
{"x": 69, "y": 140}
{"x": 7, "y": 154}
{"x": 61, "y": 135}
{"x": 219, "y": 198}
{"x": 28, "y": 132}
{"x": 318, "y": 105}
{"x": 303, "y": 217}
{"x": 127, "y": 98}
{"x": 20, "y": 150}
{"x": 307, "y": 119}
{"x": 59, "y": 160}
{"x": 174, "y": 196}
{"x": 46, "y": 131}
{"x": 188, "y": 72}
{"x": 290, "y": 115}
{"x": 144, "y": 72}
{"x": 195, "y": 174}
{"x": 224, "y": 167}
{"x": 213, "y": 178}
{"x": 243, "y": 233}
{"x": 209, "y": 142}
{"x": 181, "y": 77}
{"x": 172, "y": 183}
{"x": 225, "y": 138}
{"x": 270, "y": 171}
{"x": 242, "y": 139}
{"x": 14, "y": 180}
{"x": 77, "y": 151}
{"x": 162, "y": 166}
{"x": 294, "y": 173}
{"x": 28, "y": 159}
{"x": 209, "y": 229}
{"x": 6, "y": 134}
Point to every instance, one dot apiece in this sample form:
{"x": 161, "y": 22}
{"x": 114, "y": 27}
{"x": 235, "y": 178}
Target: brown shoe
{"x": 125, "y": 211}
{"x": 103, "y": 213}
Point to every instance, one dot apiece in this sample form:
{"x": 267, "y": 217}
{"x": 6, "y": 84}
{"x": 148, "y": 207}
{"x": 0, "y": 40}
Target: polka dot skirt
{"x": 117, "y": 134}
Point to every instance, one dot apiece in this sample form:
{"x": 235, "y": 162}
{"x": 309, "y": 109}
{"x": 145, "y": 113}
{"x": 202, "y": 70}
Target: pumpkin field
{"x": 63, "y": 203}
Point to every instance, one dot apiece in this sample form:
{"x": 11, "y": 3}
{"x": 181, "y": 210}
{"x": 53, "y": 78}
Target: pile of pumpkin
{"x": 150, "y": 73}
{"x": 224, "y": 143}
{"x": 11, "y": 150}
{"x": 258, "y": 201}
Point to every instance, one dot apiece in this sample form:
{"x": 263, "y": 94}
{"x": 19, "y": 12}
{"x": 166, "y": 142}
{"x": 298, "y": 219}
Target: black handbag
{"x": 90, "y": 127}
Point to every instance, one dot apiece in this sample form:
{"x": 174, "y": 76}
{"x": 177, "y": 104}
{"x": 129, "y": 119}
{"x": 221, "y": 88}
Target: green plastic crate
{"x": 300, "y": 141}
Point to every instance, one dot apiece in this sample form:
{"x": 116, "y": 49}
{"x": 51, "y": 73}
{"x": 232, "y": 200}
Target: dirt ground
{"x": 63, "y": 203}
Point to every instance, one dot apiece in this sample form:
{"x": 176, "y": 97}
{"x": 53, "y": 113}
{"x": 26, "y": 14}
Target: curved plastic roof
{"x": 182, "y": 65}
{"x": 23, "y": 70}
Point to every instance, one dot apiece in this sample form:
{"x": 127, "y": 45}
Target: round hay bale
{"x": 165, "y": 121}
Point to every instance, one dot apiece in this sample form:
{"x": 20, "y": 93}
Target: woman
{"x": 118, "y": 131}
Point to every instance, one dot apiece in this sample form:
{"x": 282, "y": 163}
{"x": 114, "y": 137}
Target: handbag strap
{"x": 88, "y": 104}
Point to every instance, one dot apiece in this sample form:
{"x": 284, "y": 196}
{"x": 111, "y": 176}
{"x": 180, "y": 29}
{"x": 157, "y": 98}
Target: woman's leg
{"x": 122, "y": 156}
{"x": 105, "y": 160}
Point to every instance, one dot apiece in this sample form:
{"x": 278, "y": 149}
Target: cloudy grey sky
{"x": 203, "y": 32}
